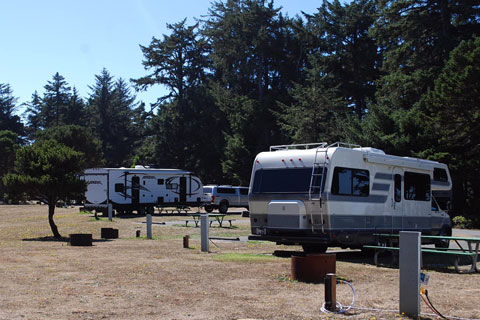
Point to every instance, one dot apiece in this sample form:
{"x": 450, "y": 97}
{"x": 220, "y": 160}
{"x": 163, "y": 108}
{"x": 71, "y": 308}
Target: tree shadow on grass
{"x": 62, "y": 239}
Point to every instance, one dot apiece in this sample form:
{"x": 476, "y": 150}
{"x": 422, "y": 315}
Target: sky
{"x": 78, "y": 39}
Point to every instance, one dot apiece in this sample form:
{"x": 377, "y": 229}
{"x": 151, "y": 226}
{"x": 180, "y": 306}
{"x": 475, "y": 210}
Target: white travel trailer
{"x": 340, "y": 195}
{"x": 141, "y": 189}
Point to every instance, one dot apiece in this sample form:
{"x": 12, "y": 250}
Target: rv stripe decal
{"x": 380, "y": 187}
{"x": 370, "y": 199}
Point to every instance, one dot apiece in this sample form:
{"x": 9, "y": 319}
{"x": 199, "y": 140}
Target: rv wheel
{"x": 208, "y": 208}
{"x": 223, "y": 207}
{"x": 444, "y": 243}
{"x": 314, "y": 248}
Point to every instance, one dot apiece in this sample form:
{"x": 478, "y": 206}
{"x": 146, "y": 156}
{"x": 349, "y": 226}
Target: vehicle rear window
{"x": 226, "y": 190}
{"x": 291, "y": 180}
{"x": 244, "y": 191}
{"x": 207, "y": 189}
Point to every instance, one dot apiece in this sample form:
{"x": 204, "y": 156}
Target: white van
{"x": 223, "y": 197}
{"x": 319, "y": 195}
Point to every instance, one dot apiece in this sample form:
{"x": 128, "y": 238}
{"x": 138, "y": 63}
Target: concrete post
{"x": 110, "y": 212}
{"x": 204, "y": 225}
{"x": 149, "y": 226}
{"x": 410, "y": 256}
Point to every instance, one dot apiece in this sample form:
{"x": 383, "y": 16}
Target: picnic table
{"x": 467, "y": 247}
{"x": 213, "y": 217}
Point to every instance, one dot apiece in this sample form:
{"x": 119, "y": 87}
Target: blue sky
{"x": 79, "y": 38}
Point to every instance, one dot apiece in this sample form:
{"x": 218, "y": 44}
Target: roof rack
{"x": 298, "y": 146}
{"x": 313, "y": 145}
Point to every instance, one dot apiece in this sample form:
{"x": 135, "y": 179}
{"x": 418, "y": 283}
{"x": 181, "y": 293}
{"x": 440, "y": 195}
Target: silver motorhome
{"x": 340, "y": 195}
{"x": 141, "y": 189}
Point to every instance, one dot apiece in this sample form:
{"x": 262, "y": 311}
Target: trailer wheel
{"x": 314, "y": 248}
{"x": 209, "y": 208}
{"x": 150, "y": 210}
{"x": 223, "y": 207}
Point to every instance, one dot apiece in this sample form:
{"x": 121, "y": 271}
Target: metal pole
{"x": 149, "y": 226}
{"x": 410, "y": 255}
{"x": 204, "y": 225}
{"x": 331, "y": 292}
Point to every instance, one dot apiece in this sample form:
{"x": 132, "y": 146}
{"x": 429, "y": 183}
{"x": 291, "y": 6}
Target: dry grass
{"x": 130, "y": 278}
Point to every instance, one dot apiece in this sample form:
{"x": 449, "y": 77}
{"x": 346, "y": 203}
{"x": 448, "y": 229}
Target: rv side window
{"x": 173, "y": 186}
{"x": 119, "y": 187}
{"x": 398, "y": 187}
{"x": 351, "y": 182}
{"x": 160, "y": 181}
{"x": 417, "y": 186}
{"x": 295, "y": 180}
{"x": 440, "y": 175}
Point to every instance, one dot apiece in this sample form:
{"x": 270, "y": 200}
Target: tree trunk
{"x": 51, "y": 212}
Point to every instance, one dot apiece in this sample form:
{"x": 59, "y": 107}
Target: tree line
{"x": 399, "y": 75}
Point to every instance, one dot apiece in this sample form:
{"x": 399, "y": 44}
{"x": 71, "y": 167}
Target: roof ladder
{"x": 315, "y": 190}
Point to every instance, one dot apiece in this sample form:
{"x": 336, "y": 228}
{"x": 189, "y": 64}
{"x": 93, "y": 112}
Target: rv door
{"x": 397, "y": 199}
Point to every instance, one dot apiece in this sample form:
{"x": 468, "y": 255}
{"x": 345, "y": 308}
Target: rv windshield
{"x": 290, "y": 180}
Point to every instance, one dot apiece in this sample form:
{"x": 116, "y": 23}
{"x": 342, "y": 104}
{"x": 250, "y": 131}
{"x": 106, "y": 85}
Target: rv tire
{"x": 314, "y": 248}
{"x": 223, "y": 207}
{"x": 444, "y": 244}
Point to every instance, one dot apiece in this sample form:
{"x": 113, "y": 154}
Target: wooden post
{"x": 331, "y": 292}
{"x": 185, "y": 241}
{"x": 149, "y": 226}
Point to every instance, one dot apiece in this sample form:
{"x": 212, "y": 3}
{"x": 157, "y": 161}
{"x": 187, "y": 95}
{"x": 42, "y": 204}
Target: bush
{"x": 462, "y": 222}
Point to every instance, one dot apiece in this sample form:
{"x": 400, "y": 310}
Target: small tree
{"x": 47, "y": 171}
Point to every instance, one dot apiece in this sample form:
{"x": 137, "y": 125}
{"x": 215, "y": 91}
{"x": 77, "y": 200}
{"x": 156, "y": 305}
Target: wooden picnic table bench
{"x": 218, "y": 218}
{"x": 470, "y": 251}
{"x": 454, "y": 253}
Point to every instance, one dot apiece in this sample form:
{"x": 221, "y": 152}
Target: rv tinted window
{"x": 119, "y": 187}
{"x": 295, "y": 180}
{"x": 417, "y": 186}
{"x": 440, "y": 175}
{"x": 351, "y": 182}
{"x": 398, "y": 187}
{"x": 243, "y": 191}
{"x": 160, "y": 181}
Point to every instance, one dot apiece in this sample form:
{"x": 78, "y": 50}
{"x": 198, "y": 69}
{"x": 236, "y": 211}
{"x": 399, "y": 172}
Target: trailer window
{"x": 351, "y": 182}
{"x": 417, "y": 186}
{"x": 173, "y": 186}
{"x": 119, "y": 187}
{"x": 160, "y": 182}
{"x": 295, "y": 180}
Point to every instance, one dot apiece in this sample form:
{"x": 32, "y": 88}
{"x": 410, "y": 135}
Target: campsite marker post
{"x": 204, "y": 231}
{"x": 110, "y": 212}
{"x": 409, "y": 265}
{"x": 149, "y": 226}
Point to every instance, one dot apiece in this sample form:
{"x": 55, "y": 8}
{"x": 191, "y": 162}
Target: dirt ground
{"x": 136, "y": 278}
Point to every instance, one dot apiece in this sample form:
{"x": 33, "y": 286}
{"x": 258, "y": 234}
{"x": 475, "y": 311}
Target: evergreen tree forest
{"x": 399, "y": 75}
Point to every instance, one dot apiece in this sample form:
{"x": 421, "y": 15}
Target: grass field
{"x": 136, "y": 278}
